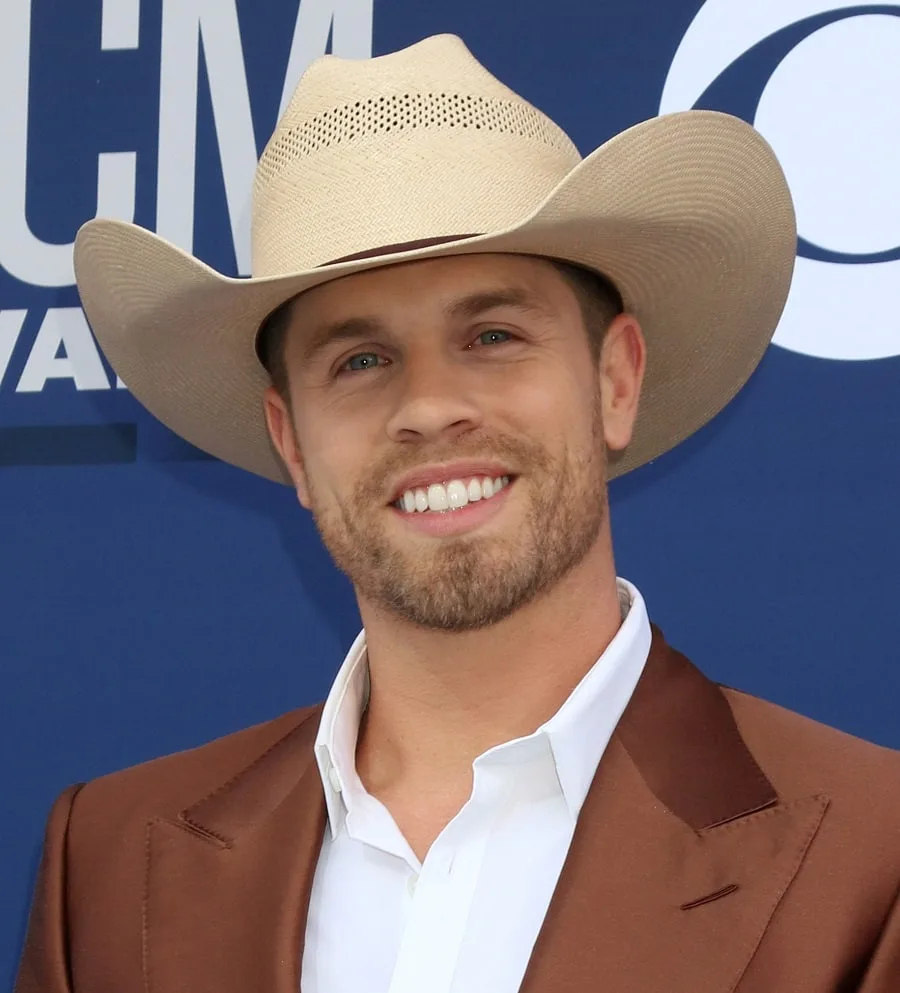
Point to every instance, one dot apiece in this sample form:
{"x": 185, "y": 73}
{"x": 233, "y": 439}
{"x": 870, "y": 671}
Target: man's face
{"x": 414, "y": 385}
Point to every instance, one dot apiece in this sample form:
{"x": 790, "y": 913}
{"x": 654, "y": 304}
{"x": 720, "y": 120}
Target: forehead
{"x": 431, "y": 283}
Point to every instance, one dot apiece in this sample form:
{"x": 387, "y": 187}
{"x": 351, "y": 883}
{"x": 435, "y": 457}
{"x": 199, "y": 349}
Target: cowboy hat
{"x": 423, "y": 153}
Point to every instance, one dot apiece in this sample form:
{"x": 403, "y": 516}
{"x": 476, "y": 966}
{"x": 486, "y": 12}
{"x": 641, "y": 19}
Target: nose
{"x": 433, "y": 402}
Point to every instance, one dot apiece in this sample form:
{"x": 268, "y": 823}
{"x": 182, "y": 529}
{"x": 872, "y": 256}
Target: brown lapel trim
{"x": 682, "y": 852}
{"x": 681, "y": 855}
{"x": 259, "y": 789}
{"x": 228, "y": 882}
{"x": 681, "y": 734}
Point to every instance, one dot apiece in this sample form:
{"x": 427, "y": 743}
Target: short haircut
{"x": 598, "y": 298}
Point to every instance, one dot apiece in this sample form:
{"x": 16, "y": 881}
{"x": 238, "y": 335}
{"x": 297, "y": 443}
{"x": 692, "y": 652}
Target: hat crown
{"x": 437, "y": 63}
{"x": 420, "y": 144}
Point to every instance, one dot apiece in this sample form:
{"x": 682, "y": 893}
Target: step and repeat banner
{"x": 153, "y": 598}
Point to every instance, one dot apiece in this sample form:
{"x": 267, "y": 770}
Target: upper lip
{"x": 443, "y": 473}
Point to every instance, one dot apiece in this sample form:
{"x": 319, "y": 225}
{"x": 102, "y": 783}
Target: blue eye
{"x": 361, "y": 362}
{"x": 494, "y": 337}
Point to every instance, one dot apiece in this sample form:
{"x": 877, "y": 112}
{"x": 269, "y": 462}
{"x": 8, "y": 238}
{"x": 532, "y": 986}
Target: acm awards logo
{"x": 820, "y": 81}
{"x": 142, "y": 85}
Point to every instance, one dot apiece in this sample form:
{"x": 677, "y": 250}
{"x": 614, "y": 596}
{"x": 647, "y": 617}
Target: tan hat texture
{"x": 423, "y": 153}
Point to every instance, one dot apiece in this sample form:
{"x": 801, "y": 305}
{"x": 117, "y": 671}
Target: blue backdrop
{"x": 152, "y": 598}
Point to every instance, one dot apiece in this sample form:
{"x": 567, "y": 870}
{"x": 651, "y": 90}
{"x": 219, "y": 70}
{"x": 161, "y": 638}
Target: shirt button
{"x": 335, "y": 779}
{"x": 411, "y": 884}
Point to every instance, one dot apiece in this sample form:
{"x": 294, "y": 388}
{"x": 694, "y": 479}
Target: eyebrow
{"x": 465, "y": 308}
{"x": 514, "y": 298}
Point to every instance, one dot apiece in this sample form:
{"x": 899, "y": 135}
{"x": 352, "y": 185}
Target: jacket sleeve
{"x": 883, "y": 973}
{"x": 44, "y": 967}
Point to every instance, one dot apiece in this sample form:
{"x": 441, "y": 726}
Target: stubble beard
{"x": 469, "y": 582}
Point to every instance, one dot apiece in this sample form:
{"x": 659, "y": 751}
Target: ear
{"x": 281, "y": 430}
{"x": 623, "y": 359}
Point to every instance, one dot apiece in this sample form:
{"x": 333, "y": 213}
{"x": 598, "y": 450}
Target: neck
{"x": 439, "y": 699}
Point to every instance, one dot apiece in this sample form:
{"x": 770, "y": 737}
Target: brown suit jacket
{"x": 725, "y": 845}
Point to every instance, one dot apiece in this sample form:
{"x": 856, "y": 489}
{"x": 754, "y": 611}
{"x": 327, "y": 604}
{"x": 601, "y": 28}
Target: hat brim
{"x": 688, "y": 214}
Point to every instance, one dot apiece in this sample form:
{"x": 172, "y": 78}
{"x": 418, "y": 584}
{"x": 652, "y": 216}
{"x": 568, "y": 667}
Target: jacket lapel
{"x": 228, "y": 882}
{"x": 681, "y": 854}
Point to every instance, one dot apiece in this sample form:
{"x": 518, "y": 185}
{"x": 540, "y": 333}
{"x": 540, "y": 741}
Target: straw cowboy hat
{"x": 423, "y": 153}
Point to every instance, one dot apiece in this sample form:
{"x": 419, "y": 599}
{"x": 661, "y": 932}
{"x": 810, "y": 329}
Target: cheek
{"x": 335, "y": 451}
{"x": 553, "y": 401}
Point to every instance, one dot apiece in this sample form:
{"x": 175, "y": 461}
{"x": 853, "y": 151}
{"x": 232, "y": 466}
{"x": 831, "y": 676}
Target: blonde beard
{"x": 470, "y": 582}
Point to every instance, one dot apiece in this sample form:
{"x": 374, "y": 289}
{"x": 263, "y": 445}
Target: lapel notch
{"x": 680, "y": 732}
{"x": 682, "y": 852}
{"x": 228, "y": 881}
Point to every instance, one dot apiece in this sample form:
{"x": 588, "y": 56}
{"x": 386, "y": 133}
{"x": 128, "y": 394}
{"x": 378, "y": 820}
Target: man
{"x": 514, "y": 783}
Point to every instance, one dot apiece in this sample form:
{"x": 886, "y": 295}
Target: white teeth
{"x": 437, "y": 497}
{"x": 457, "y": 494}
{"x": 452, "y": 495}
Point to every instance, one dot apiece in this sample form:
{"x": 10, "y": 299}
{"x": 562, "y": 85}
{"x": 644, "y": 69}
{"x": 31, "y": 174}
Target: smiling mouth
{"x": 452, "y": 495}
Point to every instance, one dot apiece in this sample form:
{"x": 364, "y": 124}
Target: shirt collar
{"x": 335, "y": 746}
{"x": 578, "y": 732}
{"x": 582, "y": 727}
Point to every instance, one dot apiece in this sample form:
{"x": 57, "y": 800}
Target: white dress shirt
{"x": 465, "y": 919}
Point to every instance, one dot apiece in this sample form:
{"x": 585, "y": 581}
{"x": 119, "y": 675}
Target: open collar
{"x": 681, "y": 853}
{"x": 578, "y": 732}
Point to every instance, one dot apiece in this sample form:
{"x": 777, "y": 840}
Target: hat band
{"x": 403, "y": 246}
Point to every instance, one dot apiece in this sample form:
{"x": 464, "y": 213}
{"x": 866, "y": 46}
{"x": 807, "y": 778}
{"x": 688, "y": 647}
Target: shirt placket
{"x": 442, "y": 896}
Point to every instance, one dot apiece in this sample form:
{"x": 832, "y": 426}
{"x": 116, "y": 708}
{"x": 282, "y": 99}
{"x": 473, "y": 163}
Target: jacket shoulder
{"x": 164, "y": 786}
{"x": 802, "y": 756}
